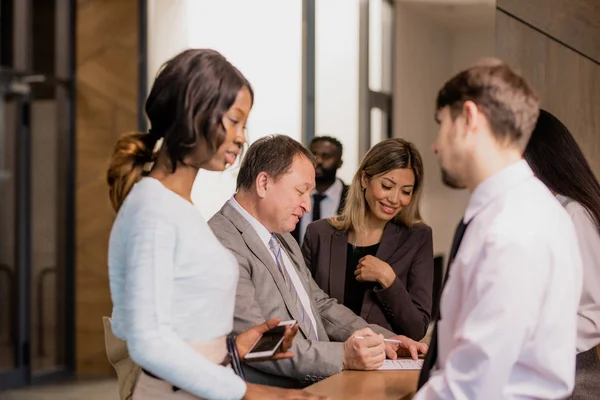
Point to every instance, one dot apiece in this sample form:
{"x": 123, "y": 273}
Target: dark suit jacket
{"x": 405, "y": 306}
{"x": 296, "y": 232}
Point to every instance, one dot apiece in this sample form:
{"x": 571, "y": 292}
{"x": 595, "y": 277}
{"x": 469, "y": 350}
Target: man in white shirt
{"x": 329, "y": 195}
{"x": 508, "y": 316}
{"x": 274, "y": 187}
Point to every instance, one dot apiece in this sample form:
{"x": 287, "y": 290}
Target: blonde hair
{"x": 385, "y": 156}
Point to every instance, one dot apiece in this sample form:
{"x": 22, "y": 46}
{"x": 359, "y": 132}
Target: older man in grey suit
{"x": 274, "y": 186}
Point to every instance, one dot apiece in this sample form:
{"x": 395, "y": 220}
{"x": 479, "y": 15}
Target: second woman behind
{"x": 557, "y": 160}
{"x": 376, "y": 258}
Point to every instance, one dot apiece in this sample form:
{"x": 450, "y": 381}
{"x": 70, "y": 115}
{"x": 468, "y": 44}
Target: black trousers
{"x": 587, "y": 376}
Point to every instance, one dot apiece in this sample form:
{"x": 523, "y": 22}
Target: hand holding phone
{"x": 270, "y": 342}
{"x": 274, "y": 330}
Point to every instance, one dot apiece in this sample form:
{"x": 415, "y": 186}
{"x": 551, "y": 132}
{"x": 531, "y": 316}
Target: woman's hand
{"x": 372, "y": 269}
{"x": 245, "y": 340}
{"x": 407, "y": 348}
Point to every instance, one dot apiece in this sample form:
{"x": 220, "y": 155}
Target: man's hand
{"x": 408, "y": 348}
{"x": 245, "y": 340}
{"x": 367, "y": 353}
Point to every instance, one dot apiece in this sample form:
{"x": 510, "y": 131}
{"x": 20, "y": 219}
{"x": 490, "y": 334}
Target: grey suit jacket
{"x": 262, "y": 294}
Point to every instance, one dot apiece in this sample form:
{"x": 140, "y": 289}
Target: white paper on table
{"x": 404, "y": 363}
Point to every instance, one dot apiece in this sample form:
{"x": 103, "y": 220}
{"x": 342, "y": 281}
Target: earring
{"x": 364, "y": 189}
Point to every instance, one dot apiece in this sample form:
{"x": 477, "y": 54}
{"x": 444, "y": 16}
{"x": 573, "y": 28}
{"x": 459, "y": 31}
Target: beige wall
{"x": 167, "y": 33}
{"x": 429, "y": 49}
{"x": 470, "y": 45}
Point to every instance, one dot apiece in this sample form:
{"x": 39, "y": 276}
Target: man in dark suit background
{"x": 329, "y": 196}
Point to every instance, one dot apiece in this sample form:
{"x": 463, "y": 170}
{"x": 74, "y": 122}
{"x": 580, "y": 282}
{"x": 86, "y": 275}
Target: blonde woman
{"x": 376, "y": 257}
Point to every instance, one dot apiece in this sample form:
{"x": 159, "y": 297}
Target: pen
{"x": 385, "y": 340}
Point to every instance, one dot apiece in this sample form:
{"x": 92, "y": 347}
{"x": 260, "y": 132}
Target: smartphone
{"x": 269, "y": 342}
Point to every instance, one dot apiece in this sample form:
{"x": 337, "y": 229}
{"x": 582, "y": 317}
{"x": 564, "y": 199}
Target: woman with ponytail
{"x": 172, "y": 283}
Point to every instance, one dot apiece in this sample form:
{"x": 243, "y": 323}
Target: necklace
{"x": 358, "y": 243}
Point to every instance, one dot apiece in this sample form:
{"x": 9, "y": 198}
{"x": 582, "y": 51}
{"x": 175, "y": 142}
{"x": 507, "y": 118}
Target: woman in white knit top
{"x": 172, "y": 283}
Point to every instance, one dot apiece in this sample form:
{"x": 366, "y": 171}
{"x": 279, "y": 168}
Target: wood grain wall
{"x": 568, "y": 82}
{"x": 576, "y": 23}
{"x": 106, "y": 106}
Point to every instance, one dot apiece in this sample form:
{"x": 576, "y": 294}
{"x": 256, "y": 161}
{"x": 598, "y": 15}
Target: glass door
{"x": 51, "y": 280}
{"x": 36, "y": 214}
{"x": 15, "y": 232}
{"x": 36, "y": 191}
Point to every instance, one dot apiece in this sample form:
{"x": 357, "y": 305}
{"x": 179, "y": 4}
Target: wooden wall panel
{"x": 107, "y": 95}
{"x": 568, "y": 83}
{"x": 573, "y": 22}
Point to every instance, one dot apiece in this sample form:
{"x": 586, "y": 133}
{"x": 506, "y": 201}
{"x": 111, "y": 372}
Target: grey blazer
{"x": 262, "y": 294}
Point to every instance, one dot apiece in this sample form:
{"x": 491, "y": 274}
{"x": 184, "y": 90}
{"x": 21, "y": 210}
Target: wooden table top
{"x": 371, "y": 385}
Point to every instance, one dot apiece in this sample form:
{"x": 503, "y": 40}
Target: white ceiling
{"x": 455, "y": 14}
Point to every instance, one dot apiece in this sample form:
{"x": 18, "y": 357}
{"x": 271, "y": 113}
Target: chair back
{"x": 116, "y": 350}
{"x": 438, "y": 281}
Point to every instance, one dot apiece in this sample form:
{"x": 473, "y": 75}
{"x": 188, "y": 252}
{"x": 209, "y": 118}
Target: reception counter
{"x": 369, "y": 385}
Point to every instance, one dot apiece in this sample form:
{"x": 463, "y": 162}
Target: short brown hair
{"x": 510, "y": 105}
{"x": 273, "y": 154}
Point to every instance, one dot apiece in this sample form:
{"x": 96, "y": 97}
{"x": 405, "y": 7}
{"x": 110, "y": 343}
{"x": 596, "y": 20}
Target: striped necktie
{"x": 276, "y": 249}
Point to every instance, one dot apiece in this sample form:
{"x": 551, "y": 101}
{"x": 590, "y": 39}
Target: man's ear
{"x": 472, "y": 116}
{"x": 340, "y": 163}
{"x": 262, "y": 184}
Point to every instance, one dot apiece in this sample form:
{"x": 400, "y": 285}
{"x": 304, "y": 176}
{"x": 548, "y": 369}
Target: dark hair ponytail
{"x": 559, "y": 163}
{"x": 132, "y": 152}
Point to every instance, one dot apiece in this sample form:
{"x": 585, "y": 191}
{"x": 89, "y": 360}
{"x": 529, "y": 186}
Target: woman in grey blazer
{"x": 376, "y": 258}
{"x": 558, "y": 162}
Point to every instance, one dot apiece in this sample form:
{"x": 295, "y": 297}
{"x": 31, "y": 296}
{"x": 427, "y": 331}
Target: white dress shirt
{"x": 264, "y": 235}
{"x": 509, "y": 308}
{"x": 329, "y": 206}
{"x": 588, "y": 324}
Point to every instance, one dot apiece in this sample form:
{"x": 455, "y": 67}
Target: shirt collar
{"x": 262, "y": 232}
{"x": 494, "y": 186}
{"x": 334, "y": 191}
{"x": 564, "y": 200}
